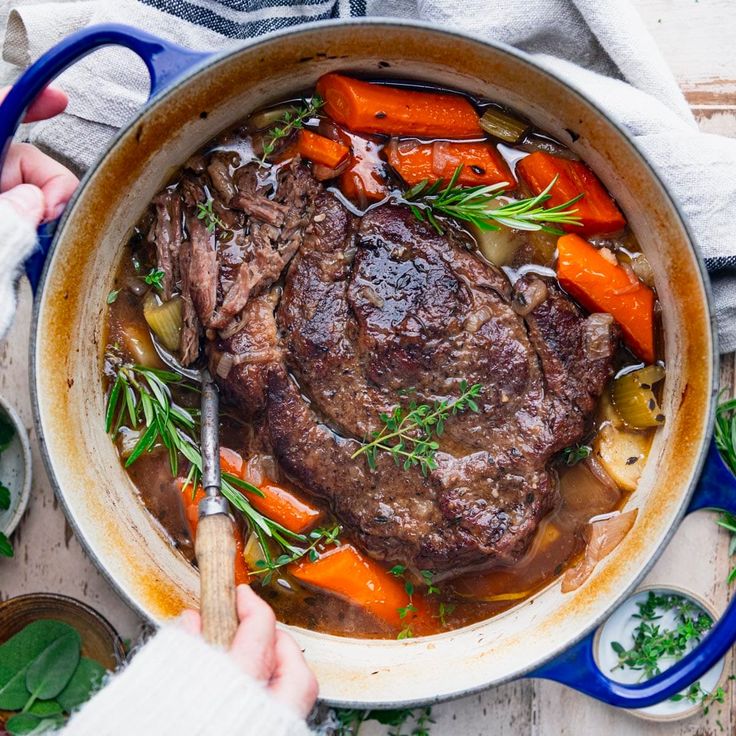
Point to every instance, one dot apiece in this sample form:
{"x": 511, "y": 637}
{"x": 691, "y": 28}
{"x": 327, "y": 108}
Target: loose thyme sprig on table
{"x": 477, "y": 206}
{"x": 290, "y": 121}
{"x": 409, "y": 435}
{"x": 142, "y": 398}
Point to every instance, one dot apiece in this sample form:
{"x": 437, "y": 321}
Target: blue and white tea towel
{"x": 600, "y": 46}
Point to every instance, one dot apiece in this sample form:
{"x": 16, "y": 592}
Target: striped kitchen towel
{"x": 599, "y": 46}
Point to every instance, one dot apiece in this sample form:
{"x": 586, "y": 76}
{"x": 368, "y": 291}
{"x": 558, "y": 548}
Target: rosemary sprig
{"x": 410, "y": 436}
{"x": 725, "y": 438}
{"x": 141, "y": 398}
{"x": 211, "y": 220}
{"x": 290, "y": 121}
{"x": 476, "y": 205}
{"x": 349, "y": 721}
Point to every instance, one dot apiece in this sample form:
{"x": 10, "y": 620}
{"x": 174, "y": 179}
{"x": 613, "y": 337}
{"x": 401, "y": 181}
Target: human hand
{"x": 266, "y": 653}
{"x": 33, "y": 183}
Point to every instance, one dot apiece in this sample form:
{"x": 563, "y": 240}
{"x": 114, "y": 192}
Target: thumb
{"x": 27, "y": 200}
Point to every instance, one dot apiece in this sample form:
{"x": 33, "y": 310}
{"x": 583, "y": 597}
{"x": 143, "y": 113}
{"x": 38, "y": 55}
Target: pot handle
{"x": 577, "y": 668}
{"x": 165, "y": 62}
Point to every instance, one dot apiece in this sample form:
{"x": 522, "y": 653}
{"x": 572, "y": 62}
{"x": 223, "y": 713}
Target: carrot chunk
{"x": 321, "y": 150}
{"x": 347, "y": 573}
{"x": 191, "y": 511}
{"x": 596, "y": 209}
{"x": 364, "y": 107}
{"x": 437, "y": 161}
{"x": 601, "y": 286}
{"x": 364, "y": 180}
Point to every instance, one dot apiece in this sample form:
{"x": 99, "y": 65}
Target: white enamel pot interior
{"x": 100, "y": 500}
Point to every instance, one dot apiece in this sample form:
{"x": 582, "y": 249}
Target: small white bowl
{"x": 15, "y": 470}
{"x": 620, "y": 625}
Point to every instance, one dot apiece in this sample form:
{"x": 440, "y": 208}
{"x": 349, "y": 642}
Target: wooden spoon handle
{"x": 215, "y": 550}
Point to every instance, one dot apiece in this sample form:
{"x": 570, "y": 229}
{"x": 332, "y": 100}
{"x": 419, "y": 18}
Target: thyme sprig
{"x": 654, "y": 643}
{"x": 478, "y": 205}
{"x": 290, "y": 121}
{"x": 141, "y": 398}
{"x": 317, "y": 538}
{"x": 211, "y": 220}
{"x": 155, "y": 278}
{"x": 410, "y": 436}
{"x": 575, "y": 453}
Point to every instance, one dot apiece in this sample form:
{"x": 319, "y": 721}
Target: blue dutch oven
{"x": 194, "y": 96}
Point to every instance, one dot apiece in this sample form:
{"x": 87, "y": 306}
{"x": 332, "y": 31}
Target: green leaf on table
{"x": 45, "y": 708}
{"x": 4, "y": 497}
{"x": 17, "y": 653}
{"x": 7, "y": 431}
{"x": 86, "y": 680}
{"x": 51, "y": 671}
{"x": 6, "y": 548}
{"x": 24, "y": 724}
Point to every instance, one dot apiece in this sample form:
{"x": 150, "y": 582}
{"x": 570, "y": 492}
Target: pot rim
{"x": 207, "y": 65}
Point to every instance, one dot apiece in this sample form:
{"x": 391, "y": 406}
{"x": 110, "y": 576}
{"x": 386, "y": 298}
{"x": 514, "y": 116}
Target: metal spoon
{"x": 214, "y": 545}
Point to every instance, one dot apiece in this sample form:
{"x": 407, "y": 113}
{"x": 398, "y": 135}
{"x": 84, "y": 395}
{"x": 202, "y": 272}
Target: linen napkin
{"x": 598, "y": 46}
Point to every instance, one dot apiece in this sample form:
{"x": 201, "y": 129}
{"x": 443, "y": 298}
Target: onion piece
{"x": 137, "y": 342}
{"x": 498, "y": 246}
{"x": 528, "y": 295}
{"x": 634, "y": 399}
{"x": 224, "y": 365}
{"x": 603, "y": 535}
{"x": 266, "y": 118}
{"x": 501, "y": 125}
{"x": 597, "y": 335}
{"x": 164, "y": 319}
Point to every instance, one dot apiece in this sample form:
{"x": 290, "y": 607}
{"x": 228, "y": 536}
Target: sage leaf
{"x": 45, "y": 708}
{"x": 25, "y": 724}
{"x": 4, "y": 497}
{"x": 50, "y": 672}
{"x": 18, "y": 652}
{"x": 86, "y": 679}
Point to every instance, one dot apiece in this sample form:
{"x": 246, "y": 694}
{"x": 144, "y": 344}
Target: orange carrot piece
{"x": 321, "y": 150}
{"x": 347, "y": 573}
{"x": 377, "y": 108}
{"x": 363, "y": 181}
{"x": 596, "y": 209}
{"x": 437, "y": 161}
{"x": 601, "y": 286}
{"x": 191, "y": 511}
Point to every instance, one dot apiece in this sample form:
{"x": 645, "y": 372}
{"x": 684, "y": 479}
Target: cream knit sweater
{"x": 176, "y": 685}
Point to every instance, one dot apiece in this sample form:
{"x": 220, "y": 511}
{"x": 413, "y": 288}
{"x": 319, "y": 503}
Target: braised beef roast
{"x": 368, "y": 309}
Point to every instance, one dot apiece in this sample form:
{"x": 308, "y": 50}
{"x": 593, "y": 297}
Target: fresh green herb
{"x": 113, "y": 296}
{"x": 155, "y": 278}
{"x": 725, "y": 437}
{"x": 43, "y": 676}
{"x": 4, "y": 497}
{"x": 7, "y": 431}
{"x": 405, "y": 633}
{"x": 478, "y": 205}
{"x": 290, "y": 121}
{"x": 653, "y": 643}
{"x": 445, "y": 610}
{"x": 398, "y": 570}
{"x": 410, "y": 436}
{"x": 211, "y": 220}
{"x": 349, "y": 721}
{"x": 575, "y": 453}
{"x": 728, "y": 522}
{"x": 6, "y": 547}
{"x": 142, "y": 397}
{"x": 428, "y": 577}
{"x": 696, "y": 694}
{"x": 317, "y": 537}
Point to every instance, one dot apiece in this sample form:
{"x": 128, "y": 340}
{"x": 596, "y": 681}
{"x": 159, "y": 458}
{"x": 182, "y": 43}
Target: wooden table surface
{"x": 698, "y": 38}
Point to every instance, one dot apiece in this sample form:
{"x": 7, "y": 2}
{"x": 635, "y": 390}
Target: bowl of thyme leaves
{"x": 651, "y": 631}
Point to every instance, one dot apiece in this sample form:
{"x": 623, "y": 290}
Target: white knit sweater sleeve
{"x": 17, "y": 238}
{"x": 177, "y": 685}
